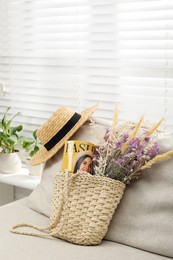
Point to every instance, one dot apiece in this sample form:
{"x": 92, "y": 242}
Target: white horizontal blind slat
{"x": 145, "y": 53}
{"x": 75, "y": 53}
{"x": 58, "y": 53}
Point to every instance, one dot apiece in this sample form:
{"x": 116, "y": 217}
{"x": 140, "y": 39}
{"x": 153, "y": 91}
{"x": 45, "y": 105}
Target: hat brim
{"x": 43, "y": 154}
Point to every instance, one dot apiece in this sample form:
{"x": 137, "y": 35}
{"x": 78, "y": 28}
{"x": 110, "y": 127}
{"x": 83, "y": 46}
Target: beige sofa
{"x": 141, "y": 228}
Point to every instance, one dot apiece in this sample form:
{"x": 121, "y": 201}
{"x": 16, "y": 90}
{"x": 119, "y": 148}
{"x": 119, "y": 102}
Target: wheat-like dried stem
{"x": 133, "y": 134}
{"x": 154, "y": 127}
{"x": 115, "y": 119}
{"x": 157, "y": 158}
{"x": 95, "y": 131}
{"x": 148, "y": 165}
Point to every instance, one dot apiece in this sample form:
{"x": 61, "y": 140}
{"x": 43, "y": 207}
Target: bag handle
{"x": 46, "y": 229}
{"x": 50, "y": 232}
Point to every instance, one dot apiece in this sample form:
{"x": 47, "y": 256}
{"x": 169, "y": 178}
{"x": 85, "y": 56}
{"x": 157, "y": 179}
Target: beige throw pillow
{"x": 144, "y": 218}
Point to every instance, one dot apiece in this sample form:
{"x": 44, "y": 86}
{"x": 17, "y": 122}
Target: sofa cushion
{"x": 144, "y": 218}
{"x": 20, "y": 247}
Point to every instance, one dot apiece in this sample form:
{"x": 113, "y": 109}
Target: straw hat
{"x": 58, "y": 129}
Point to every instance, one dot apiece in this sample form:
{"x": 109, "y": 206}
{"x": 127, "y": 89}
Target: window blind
{"x": 75, "y": 53}
{"x": 145, "y": 52}
{"x": 57, "y": 53}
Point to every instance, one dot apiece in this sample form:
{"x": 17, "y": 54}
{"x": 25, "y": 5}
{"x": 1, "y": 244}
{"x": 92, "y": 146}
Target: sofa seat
{"x": 20, "y": 247}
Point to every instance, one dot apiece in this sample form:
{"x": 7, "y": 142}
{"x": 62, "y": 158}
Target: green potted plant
{"x": 31, "y": 147}
{"x": 9, "y": 141}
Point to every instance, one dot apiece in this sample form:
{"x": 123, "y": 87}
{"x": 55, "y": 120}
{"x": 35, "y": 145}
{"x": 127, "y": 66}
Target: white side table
{"x": 21, "y": 179}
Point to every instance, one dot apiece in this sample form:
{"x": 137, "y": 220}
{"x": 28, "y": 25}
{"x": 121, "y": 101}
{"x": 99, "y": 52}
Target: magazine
{"x": 78, "y": 155}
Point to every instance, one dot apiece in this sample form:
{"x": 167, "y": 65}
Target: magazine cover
{"x": 78, "y": 155}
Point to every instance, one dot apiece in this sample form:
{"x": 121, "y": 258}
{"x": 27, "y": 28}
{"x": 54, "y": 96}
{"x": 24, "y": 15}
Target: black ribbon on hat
{"x": 64, "y": 130}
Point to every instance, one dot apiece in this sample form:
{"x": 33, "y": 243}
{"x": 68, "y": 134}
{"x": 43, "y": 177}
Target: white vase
{"x": 35, "y": 170}
{"x": 10, "y": 163}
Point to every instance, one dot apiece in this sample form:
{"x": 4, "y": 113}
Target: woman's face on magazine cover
{"x": 86, "y": 164}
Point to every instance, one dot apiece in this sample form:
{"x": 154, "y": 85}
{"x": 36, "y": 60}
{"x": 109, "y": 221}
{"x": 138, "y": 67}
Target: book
{"x": 78, "y": 155}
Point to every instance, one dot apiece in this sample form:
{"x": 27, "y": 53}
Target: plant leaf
{"x": 4, "y": 119}
{"x": 16, "y": 129}
{"x": 9, "y": 122}
{"x": 34, "y": 134}
{"x": 36, "y": 148}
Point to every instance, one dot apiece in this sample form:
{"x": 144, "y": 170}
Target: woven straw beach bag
{"x": 82, "y": 207}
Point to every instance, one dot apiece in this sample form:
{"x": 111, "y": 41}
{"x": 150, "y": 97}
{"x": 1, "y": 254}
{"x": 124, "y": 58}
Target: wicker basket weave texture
{"x": 82, "y": 206}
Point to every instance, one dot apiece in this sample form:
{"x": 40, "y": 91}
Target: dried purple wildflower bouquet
{"x": 125, "y": 152}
